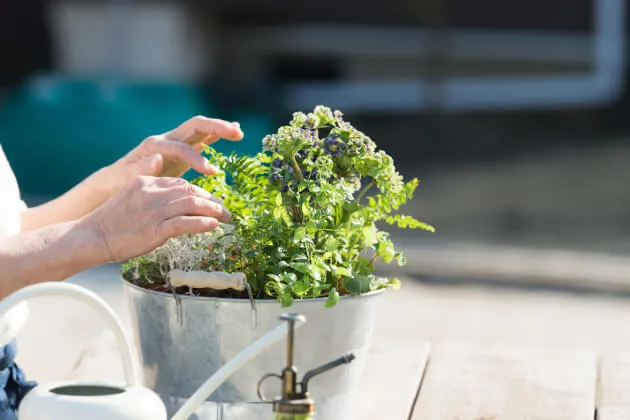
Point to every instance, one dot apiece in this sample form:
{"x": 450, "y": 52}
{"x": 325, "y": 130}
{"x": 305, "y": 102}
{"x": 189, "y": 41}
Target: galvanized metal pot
{"x": 179, "y": 350}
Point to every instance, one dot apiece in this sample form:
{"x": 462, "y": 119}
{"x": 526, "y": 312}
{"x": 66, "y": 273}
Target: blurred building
{"x": 463, "y": 78}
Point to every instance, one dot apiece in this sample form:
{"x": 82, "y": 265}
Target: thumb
{"x": 149, "y": 166}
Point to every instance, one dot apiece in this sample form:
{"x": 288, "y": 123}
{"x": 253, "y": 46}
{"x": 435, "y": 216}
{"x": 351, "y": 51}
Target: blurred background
{"x": 512, "y": 113}
{"x": 515, "y": 115}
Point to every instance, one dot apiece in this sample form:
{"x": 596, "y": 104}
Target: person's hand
{"x": 162, "y": 155}
{"x": 149, "y": 211}
{"x": 148, "y": 158}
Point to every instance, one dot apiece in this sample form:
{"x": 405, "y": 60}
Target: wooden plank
{"x": 507, "y": 384}
{"x": 613, "y": 393}
{"x": 390, "y": 385}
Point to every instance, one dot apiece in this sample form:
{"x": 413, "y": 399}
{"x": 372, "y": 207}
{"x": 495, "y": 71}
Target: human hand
{"x": 169, "y": 154}
{"x": 149, "y": 211}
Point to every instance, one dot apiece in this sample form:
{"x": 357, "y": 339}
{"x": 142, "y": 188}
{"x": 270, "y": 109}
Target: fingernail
{"x": 236, "y": 124}
{"x": 211, "y": 168}
{"x": 226, "y": 214}
{"x": 203, "y": 192}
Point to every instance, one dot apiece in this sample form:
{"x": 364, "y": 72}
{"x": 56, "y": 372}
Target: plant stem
{"x": 296, "y": 168}
{"x": 365, "y": 190}
{"x": 371, "y": 263}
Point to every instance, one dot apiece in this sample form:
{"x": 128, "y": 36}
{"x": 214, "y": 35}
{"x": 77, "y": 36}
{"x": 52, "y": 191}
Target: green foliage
{"x": 305, "y": 211}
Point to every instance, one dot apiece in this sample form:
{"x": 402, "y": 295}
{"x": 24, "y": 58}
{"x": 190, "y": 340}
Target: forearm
{"x": 74, "y": 204}
{"x": 49, "y": 254}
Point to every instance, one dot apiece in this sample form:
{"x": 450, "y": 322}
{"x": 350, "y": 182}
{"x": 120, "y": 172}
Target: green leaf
{"x": 341, "y": 272}
{"x": 395, "y": 283}
{"x": 274, "y": 277}
{"x": 305, "y": 210}
{"x": 286, "y": 300}
{"x": 307, "y": 269}
{"x": 314, "y": 273}
{"x": 316, "y": 289}
{"x": 408, "y": 222}
{"x": 331, "y": 244}
{"x": 362, "y": 266}
{"x": 358, "y": 284}
{"x": 369, "y": 236}
{"x": 299, "y": 234}
{"x": 333, "y": 298}
{"x": 385, "y": 250}
{"x": 278, "y": 200}
{"x": 299, "y": 266}
{"x": 338, "y": 214}
{"x": 282, "y": 264}
{"x": 289, "y": 278}
{"x": 287, "y": 219}
{"x": 301, "y": 288}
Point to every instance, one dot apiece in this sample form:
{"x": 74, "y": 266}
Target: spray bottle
{"x": 294, "y": 402}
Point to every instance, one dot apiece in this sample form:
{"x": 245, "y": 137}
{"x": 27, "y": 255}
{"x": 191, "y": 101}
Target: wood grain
{"x": 463, "y": 383}
{"x": 613, "y": 393}
{"x": 393, "y": 374}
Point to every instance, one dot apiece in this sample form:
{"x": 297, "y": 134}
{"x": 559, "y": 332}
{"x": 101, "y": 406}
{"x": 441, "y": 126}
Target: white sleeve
{"x": 11, "y": 204}
{"x": 11, "y": 208}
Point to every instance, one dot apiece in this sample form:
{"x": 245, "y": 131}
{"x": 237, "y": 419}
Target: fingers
{"x": 179, "y": 198}
{"x": 214, "y": 128}
{"x": 178, "y": 151}
{"x": 178, "y": 188}
{"x": 180, "y": 225}
{"x": 196, "y": 206}
{"x": 149, "y": 166}
{"x": 181, "y": 147}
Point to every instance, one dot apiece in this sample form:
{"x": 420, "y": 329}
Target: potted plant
{"x": 304, "y": 234}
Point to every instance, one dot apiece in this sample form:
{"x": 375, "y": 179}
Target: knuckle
{"x": 152, "y": 140}
{"x": 139, "y": 182}
{"x": 199, "y": 119}
{"x": 187, "y": 188}
{"x": 166, "y": 182}
{"x": 191, "y": 203}
{"x": 179, "y": 185}
{"x": 197, "y": 190}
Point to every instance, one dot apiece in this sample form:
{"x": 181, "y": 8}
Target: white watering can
{"x": 101, "y": 401}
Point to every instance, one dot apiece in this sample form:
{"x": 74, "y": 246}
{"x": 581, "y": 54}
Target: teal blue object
{"x": 254, "y": 127}
{"x": 56, "y": 131}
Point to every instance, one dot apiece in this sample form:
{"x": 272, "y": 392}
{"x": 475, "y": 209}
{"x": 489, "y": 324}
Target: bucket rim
{"x": 247, "y": 301}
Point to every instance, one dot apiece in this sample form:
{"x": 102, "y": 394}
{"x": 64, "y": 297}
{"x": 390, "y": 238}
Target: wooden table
{"x": 411, "y": 382}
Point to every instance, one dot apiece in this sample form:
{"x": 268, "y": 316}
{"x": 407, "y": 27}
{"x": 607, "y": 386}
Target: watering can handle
{"x": 92, "y": 300}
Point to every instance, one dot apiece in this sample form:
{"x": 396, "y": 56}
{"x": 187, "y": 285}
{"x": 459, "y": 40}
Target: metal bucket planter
{"x": 180, "y": 350}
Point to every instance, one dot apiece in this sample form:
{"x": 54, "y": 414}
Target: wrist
{"x": 88, "y": 239}
{"x": 101, "y": 185}
{"x": 51, "y": 253}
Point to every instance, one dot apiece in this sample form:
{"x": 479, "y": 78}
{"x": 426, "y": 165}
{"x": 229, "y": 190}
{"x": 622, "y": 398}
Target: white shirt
{"x": 11, "y": 208}
{"x": 11, "y": 204}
